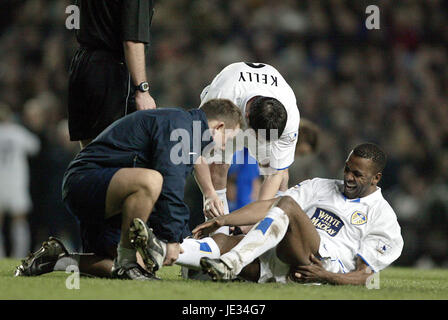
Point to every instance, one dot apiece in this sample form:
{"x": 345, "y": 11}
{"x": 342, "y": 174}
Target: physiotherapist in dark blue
{"x": 133, "y": 174}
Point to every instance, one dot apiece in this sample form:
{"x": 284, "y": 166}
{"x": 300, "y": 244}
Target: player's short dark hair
{"x": 223, "y": 110}
{"x": 269, "y": 114}
{"x": 373, "y": 152}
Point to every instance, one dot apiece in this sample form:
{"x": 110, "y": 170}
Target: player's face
{"x": 222, "y": 135}
{"x": 360, "y": 179}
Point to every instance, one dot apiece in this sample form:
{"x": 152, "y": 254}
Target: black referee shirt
{"x": 105, "y": 24}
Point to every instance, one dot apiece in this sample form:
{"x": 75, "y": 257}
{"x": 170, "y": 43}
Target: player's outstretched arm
{"x": 315, "y": 272}
{"x": 247, "y": 215}
{"x": 271, "y": 184}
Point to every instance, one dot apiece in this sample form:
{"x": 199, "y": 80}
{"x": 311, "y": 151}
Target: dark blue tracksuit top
{"x": 149, "y": 139}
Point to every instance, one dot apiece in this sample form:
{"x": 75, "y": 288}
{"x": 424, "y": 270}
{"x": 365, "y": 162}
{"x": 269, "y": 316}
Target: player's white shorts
{"x": 14, "y": 200}
{"x": 272, "y": 269}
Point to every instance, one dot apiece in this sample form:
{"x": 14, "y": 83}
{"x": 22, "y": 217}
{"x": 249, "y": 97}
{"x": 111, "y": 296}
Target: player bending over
{"x": 139, "y": 163}
{"x": 270, "y": 109}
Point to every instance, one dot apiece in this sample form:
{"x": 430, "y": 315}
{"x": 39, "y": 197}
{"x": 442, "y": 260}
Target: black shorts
{"x": 99, "y": 92}
{"x": 84, "y": 195}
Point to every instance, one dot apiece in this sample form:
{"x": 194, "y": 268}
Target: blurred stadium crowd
{"x": 387, "y": 86}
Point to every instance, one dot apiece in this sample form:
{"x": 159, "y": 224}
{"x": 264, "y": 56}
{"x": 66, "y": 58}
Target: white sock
{"x": 222, "y": 194}
{"x": 265, "y": 235}
{"x": 125, "y": 255}
{"x": 63, "y": 263}
{"x": 20, "y": 233}
{"x": 194, "y": 250}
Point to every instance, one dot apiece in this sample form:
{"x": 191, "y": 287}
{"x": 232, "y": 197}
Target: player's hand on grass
{"x": 172, "y": 253}
{"x": 213, "y": 206}
{"x": 204, "y": 229}
{"x": 144, "y": 101}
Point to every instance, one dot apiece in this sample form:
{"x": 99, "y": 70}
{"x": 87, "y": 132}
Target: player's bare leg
{"x": 225, "y": 243}
{"x": 222, "y": 244}
{"x": 301, "y": 239}
{"x": 285, "y": 217}
{"x": 98, "y": 266}
{"x": 133, "y": 193}
{"x": 299, "y": 242}
{"x": 95, "y": 266}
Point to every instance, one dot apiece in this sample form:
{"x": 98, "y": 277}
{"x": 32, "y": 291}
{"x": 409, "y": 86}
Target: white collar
{"x": 369, "y": 199}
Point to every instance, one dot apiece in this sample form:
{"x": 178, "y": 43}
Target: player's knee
{"x": 288, "y": 205}
{"x": 150, "y": 182}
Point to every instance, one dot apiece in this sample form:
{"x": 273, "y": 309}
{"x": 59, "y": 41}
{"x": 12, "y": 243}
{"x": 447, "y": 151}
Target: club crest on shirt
{"x": 327, "y": 221}
{"x": 358, "y": 218}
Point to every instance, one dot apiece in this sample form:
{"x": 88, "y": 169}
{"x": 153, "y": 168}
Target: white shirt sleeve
{"x": 29, "y": 141}
{"x": 203, "y": 94}
{"x": 283, "y": 151}
{"x": 302, "y": 193}
{"x": 382, "y": 243}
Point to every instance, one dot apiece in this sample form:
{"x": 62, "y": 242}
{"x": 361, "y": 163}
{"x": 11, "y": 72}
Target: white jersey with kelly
{"x": 366, "y": 227}
{"x": 239, "y": 82}
{"x": 16, "y": 144}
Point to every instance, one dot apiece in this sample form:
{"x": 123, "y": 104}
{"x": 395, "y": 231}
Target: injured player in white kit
{"x": 321, "y": 230}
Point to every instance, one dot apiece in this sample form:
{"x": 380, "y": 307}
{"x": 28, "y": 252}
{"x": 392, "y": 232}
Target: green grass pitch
{"x": 395, "y": 283}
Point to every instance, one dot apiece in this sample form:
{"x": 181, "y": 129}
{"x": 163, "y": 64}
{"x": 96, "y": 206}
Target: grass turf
{"x": 395, "y": 283}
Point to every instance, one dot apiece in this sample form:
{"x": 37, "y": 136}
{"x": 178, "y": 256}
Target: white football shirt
{"x": 239, "y": 82}
{"x": 16, "y": 144}
{"x": 366, "y": 227}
